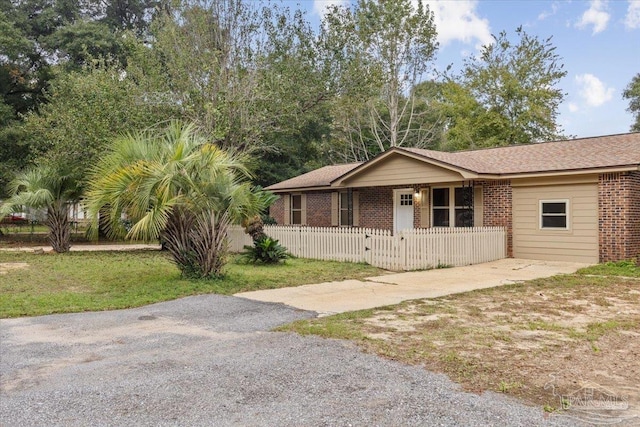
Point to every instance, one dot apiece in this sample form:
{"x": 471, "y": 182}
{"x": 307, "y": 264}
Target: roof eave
{"x": 299, "y": 189}
{"x": 564, "y": 172}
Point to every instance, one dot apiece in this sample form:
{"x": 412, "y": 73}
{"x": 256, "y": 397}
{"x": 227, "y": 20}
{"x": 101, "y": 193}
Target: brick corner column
{"x": 497, "y": 197}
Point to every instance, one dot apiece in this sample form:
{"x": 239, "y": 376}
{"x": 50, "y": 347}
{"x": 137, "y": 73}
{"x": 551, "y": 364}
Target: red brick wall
{"x": 319, "y": 209}
{"x": 276, "y": 211}
{"x": 619, "y": 216}
{"x": 634, "y": 215}
{"x": 376, "y": 207}
{"x": 497, "y": 197}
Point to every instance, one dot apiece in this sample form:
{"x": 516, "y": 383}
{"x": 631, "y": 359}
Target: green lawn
{"x": 620, "y": 268}
{"x": 87, "y": 281}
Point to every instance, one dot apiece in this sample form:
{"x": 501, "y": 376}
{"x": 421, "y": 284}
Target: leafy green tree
{"x": 178, "y": 187}
{"x": 507, "y": 95}
{"x": 47, "y": 188}
{"x": 86, "y": 110}
{"x": 383, "y": 49}
{"x": 632, "y": 94}
{"x": 470, "y": 124}
{"x": 250, "y": 76}
{"x": 78, "y": 43}
{"x": 43, "y": 39}
{"x": 244, "y": 72}
{"x": 131, "y": 15}
{"x": 208, "y": 50}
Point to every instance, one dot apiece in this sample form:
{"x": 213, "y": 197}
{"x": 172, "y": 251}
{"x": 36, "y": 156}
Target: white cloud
{"x": 458, "y": 20}
{"x": 573, "y": 107}
{"x": 320, "y": 6}
{"x": 632, "y": 20}
{"x": 455, "y": 20}
{"x": 596, "y": 15}
{"x": 593, "y": 91}
{"x": 544, "y": 15}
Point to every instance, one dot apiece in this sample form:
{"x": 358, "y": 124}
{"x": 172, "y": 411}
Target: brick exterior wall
{"x": 276, "y": 210}
{"x": 376, "y": 207}
{"x": 319, "y": 209}
{"x": 634, "y": 216}
{"x": 497, "y": 197}
{"x": 618, "y": 211}
{"x": 619, "y": 216}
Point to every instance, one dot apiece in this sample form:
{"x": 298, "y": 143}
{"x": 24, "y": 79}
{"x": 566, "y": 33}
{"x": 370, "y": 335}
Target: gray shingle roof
{"x": 557, "y": 156}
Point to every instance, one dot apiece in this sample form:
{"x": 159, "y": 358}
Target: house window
{"x": 440, "y": 199}
{"x": 406, "y": 200}
{"x": 346, "y": 209}
{"x": 452, "y": 206}
{"x": 554, "y": 214}
{"x": 463, "y": 206}
{"x": 296, "y": 209}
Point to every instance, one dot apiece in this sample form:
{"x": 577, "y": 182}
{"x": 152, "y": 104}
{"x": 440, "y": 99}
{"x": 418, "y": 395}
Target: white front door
{"x": 403, "y": 212}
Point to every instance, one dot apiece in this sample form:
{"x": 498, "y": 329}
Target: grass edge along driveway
{"x": 39, "y": 284}
{"x": 536, "y": 341}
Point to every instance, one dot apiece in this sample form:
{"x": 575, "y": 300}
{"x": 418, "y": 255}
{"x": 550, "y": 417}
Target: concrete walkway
{"x": 338, "y": 297}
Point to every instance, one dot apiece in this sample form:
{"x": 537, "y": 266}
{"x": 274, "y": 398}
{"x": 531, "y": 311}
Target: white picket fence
{"x": 415, "y": 249}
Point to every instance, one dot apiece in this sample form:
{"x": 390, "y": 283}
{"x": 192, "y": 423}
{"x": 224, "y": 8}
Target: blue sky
{"x": 599, "y": 42}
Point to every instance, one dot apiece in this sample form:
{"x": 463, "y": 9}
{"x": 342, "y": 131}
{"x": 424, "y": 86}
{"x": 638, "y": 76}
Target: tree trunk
{"x": 254, "y": 227}
{"x": 59, "y": 228}
{"x": 209, "y": 240}
{"x": 175, "y": 238}
{"x": 198, "y": 243}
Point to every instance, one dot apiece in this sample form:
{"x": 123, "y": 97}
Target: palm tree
{"x": 177, "y": 187}
{"x": 47, "y": 188}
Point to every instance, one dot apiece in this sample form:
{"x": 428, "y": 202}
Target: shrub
{"x": 265, "y": 250}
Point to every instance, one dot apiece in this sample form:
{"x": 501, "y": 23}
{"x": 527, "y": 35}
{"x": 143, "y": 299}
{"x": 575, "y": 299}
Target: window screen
{"x": 553, "y": 214}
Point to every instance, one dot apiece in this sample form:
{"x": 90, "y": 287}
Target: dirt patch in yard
{"x": 5, "y": 267}
{"x": 545, "y": 341}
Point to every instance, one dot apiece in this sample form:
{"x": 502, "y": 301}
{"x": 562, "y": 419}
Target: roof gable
{"x": 396, "y": 167}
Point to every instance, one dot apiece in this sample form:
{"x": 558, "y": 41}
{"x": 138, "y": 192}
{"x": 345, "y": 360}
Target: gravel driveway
{"x": 211, "y": 361}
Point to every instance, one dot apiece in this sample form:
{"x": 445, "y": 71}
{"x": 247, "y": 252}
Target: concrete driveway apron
{"x": 349, "y": 295}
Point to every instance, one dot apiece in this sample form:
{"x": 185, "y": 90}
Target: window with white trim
{"x": 554, "y": 214}
{"x": 452, "y": 207}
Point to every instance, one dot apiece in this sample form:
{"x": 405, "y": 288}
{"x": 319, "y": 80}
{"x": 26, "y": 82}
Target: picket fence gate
{"x": 415, "y": 249}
